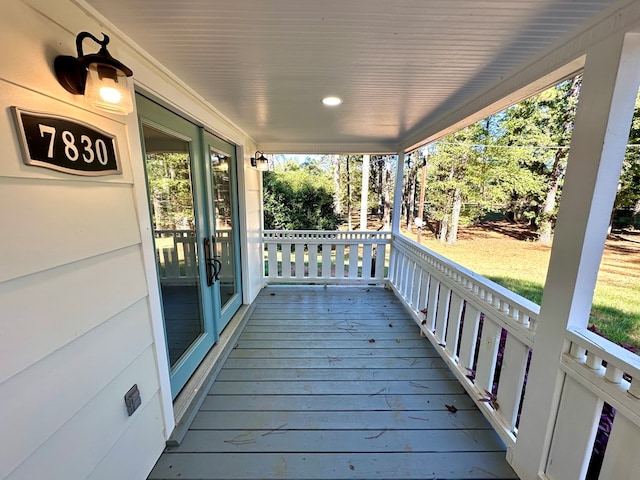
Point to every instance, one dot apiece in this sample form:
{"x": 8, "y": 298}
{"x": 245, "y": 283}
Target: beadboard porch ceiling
{"x": 399, "y": 65}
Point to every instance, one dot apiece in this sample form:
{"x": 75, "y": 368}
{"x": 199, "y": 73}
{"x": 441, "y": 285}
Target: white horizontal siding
{"x": 76, "y": 328}
{"x": 119, "y": 463}
{"x": 51, "y": 223}
{"x": 38, "y": 402}
{"x": 49, "y": 310}
{"x": 80, "y": 444}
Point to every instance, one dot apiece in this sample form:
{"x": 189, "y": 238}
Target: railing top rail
{"x": 524, "y": 304}
{"x": 327, "y": 232}
{"x": 608, "y": 351}
{"x": 607, "y": 370}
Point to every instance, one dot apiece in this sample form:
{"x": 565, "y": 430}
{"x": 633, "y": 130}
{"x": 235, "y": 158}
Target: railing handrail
{"x": 497, "y": 289}
{"x": 514, "y": 312}
{"x": 342, "y": 232}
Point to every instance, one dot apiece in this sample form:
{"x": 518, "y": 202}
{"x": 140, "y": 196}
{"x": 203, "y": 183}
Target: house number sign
{"x": 66, "y": 145}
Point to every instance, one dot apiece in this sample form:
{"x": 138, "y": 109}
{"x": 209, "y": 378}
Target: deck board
{"x": 335, "y": 383}
{"x": 326, "y": 374}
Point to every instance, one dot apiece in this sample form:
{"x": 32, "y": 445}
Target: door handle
{"x": 217, "y": 264}
{"x": 209, "y": 264}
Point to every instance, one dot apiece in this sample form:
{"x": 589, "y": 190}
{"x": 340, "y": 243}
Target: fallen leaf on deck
{"x": 451, "y": 408}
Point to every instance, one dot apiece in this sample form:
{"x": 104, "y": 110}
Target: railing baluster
{"x": 366, "y": 261}
{"x": 313, "y": 260}
{"x": 410, "y": 278}
{"x": 299, "y": 259}
{"x": 453, "y": 329}
{"x": 514, "y": 364}
{"x": 381, "y": 252}
{"x": 424, "y": 290}
{"x": 401, "y": 263}
{"x": 489, "y": 343}
{"x": 416, "y": 287}
{"x": 621, "y": 456}
{"x": 442, "y": 314}
{"x": 574, "y": 432}
{"x": 286, "y": 260}
{"x": 326, "y": 260}
{"x": 339, "y": 272}
{"x": 432, "y": 304}
{"x": 353, "y": 260}
{"x": 466, "y": 358}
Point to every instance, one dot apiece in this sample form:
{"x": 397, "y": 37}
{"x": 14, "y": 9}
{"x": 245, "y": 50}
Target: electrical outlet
{"x": 132, "y": 399}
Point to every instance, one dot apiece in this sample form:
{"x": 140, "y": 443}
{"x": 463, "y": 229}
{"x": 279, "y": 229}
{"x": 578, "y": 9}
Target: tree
{"x": 299, "y": 197}
{"x": 477, "y": 169}
{"x": 412, "y": 163}
{"x": 455, "y": 175}
{"x": 563, "y": 112}
{"x": 335, "y": 165}
{"x": 628, "y": 197}
{"x": 542, "y": 126}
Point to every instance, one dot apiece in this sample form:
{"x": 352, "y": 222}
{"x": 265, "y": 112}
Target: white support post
{"x": 397, "y": 196}
{"x": 610, "y": 86}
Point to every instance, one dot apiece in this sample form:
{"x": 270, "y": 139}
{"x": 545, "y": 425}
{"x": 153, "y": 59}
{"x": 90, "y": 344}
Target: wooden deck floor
{"x": 335, "y": 383}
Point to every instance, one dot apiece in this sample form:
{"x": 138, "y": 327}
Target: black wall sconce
{"x": 98, "y": 76}
{"x": 260, "y": 162}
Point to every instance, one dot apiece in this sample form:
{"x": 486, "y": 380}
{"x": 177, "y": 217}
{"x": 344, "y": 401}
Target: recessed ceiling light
{"x": 332, "y": 101}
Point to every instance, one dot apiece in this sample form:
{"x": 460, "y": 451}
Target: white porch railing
{"x": 312, "y": 256}
{"x": 486, "y": 334}
{"x": 596, "y": 371}
{"x": 471, "y": 320}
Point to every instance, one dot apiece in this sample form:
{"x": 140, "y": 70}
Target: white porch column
{"x": 397, "y": 196}
{"x": 610, "y": 85}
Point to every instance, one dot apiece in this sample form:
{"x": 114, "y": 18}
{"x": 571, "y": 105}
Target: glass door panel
{"x": 222, "y": 179}
{"x": 168, "y": 166}
{"x": 225, "y": 249}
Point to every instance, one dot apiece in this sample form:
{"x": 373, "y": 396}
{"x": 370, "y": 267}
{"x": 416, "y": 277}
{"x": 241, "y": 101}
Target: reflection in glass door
{"x": 174, "y": 229}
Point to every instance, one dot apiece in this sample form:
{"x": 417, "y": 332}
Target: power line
{"x": 543, "y": 147}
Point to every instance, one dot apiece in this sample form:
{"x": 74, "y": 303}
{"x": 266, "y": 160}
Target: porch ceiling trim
{"x": 558, "y": 62}
{"x": 336, "y": 148}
